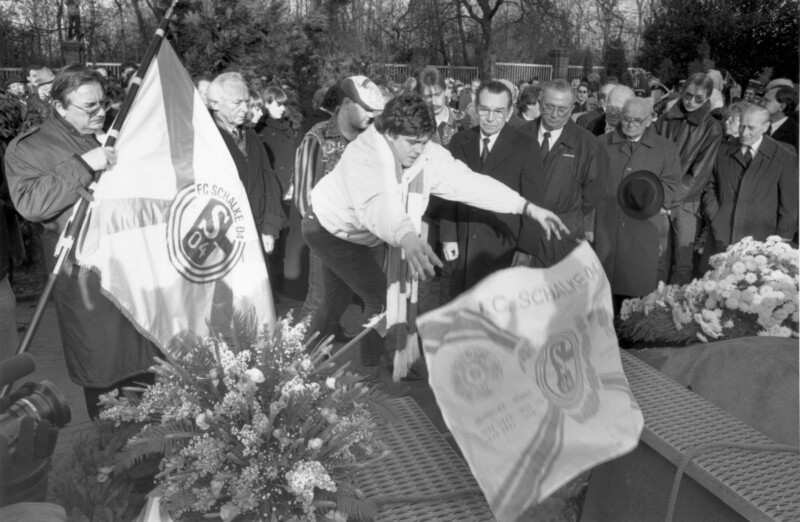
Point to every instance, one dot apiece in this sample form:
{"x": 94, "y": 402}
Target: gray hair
{"x": 217, "y": 86}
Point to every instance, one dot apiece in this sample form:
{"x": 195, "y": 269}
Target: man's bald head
{"x": 754, "y": 122}
{"x": 616, "y": 101}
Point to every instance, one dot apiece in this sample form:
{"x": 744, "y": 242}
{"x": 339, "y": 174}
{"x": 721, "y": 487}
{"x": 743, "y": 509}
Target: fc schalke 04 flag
{"x": 170, "y": 231}
{"x": 526, "y": 370}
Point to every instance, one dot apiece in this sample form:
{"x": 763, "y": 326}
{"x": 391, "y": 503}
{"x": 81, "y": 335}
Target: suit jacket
{"x": 573, "y": 185}
{"x": 487, "y": 240}
{"x": 787, "y": 133}
{"x": 759, "y": 201}
{"x": 593, "y": 121}
{"x": 628, "y": 247}
{"x": 260, "y": 182}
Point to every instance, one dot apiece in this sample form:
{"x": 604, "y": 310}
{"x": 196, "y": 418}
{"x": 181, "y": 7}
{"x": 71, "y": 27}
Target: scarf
{"x": 402, "y": 291}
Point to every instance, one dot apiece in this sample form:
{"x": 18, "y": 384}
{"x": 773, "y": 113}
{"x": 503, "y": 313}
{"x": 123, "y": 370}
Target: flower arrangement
{"x": 751, "y": 290}
{"x": 253, "y": 427}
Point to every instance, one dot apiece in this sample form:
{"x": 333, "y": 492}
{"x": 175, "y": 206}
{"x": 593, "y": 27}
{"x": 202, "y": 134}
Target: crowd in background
{"x": 657, "y": 181}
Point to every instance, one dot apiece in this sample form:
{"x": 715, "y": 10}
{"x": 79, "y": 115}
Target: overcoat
{"x": 487, "y": 240}
{"x": 572, "y": 186}
{"x": 628, "y": 247}
{"x": 44, "y": 170}
{"x": 759, "y": 201}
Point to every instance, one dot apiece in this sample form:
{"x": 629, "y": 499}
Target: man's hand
{"x": 269, "y": 243}
{"x": 420, "y": 256}
{"x": 450, "y": 250}
{"x": 100, "y": 158}
{"x": 550, "y": 222}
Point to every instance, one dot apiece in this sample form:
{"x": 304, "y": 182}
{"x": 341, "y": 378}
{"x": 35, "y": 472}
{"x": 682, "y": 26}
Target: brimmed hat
{"x": 641, "y": 194}
{"x": 363, "y": 91}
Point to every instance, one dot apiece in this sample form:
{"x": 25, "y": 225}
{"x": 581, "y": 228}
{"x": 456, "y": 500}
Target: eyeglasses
{"x": 560, "y": 110}
{"x": 103, "y": 105}
{"x": 583, "y": 91}
{"x": 610, "y": 109}
{"x": 636, "y": 122}
{"x": 497, "y": 113}
{"x": 698, "y": 98}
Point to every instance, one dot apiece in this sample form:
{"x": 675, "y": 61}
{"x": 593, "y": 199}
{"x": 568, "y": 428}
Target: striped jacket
{"x": 317, "y": 155}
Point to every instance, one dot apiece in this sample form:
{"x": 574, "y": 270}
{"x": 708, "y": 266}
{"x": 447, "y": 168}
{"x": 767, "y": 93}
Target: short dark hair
{"x": 407, "y": 115}
{"x": 787, "y": 95}
{"x": 429, "y": 77}
{"x": 331, "y": 99}
{"x": 529, "y": 96}
{"x": 494, "y": 87}
{"x": 700, "y": 80}
{"x": 69, "y": 78}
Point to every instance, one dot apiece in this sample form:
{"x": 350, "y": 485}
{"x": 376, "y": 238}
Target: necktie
{"x": 485, "y": 151}
{"x": 632, "y": 146}
{"x": 769, "y": 131}
{"x": 748, "y": 157}
{"x": 545, "y": 144}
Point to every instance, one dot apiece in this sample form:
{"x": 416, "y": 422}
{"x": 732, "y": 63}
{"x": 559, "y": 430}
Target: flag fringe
{"x": 405, "y": 358}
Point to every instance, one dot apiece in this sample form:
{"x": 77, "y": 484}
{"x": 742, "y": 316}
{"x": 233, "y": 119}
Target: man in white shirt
{"x": 377, "y": 194}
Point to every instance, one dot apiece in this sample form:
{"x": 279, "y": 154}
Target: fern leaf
{"x": 157, "y": 440}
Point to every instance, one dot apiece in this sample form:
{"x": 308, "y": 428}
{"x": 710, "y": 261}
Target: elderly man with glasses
{"x": 480, "y": 242}
{"x": 49, "y": 168}
{"x": 628, "y": 245}
{"x": 572, "y": 178}
{"x": 690, "y": 125}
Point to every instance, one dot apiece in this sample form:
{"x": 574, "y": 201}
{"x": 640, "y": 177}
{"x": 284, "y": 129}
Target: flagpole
{"x": 73, "y": 227}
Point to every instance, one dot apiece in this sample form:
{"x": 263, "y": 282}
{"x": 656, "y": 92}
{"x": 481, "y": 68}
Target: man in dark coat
{"x": 595, "y": 121}
{"x": 628, "y": 247}
{"x": 753, "y": 188}
{"x": 690, "y": 125}
{"x": 780, "y": 103}
{"x": 228, "y": 99}
{"x": 486, "y": 240}
{"x": 572, "y": 180}
{"x": 48, "y": 170}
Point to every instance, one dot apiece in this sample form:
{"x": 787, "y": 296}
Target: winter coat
{"x": 759, "y": 201}
{"x": 628, "y": 247}
{"x": 698, "y": 136}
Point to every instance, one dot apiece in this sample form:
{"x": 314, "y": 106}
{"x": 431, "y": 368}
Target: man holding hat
{"x": 360, "y": 100}
{"x": 642, "y": 172}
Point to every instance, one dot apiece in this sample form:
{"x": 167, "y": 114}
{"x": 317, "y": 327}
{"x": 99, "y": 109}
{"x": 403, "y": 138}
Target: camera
{"x": 30, "y": 418}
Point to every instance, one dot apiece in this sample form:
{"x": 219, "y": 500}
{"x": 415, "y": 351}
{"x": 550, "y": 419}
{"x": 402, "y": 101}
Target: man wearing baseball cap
{"x": 360, "y": 100}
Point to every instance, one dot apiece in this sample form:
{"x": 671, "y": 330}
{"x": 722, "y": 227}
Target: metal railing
{"x": 523, "y": 72}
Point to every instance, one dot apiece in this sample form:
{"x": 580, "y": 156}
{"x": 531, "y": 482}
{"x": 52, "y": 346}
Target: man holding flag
{"x": 49, "y": 168}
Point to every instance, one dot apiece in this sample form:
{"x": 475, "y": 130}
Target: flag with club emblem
{"x": 170, "y": 230}
{"x": 525, "y": 367}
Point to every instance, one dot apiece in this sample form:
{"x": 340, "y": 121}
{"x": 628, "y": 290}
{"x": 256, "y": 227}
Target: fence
{"x": 6, "y": 73}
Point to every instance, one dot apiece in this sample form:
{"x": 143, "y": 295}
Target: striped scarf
{"x": 401, "y": 296}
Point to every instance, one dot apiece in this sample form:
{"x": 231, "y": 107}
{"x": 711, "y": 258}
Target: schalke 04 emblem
{"x": 205, "y": 232}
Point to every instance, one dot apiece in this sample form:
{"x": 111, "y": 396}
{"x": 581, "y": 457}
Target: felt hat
{"x": 363, "y": 91}
{"x": 641, "y": 194}
{"x": 14, "y": 79}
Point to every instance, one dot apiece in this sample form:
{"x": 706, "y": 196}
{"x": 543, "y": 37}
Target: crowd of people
{"x": 404, "y": 196}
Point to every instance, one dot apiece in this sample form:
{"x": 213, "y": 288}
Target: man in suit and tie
{"x": 753, "y": 187}
{"x": 572, "y": 180}
{"x": 478, "y": 242}
{"x": 780, "y": 103}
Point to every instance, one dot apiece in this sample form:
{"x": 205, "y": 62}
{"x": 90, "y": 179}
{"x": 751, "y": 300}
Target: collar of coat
{"x": 569, "y": 136}
{"x": 677, "y": 112}
{"x": 767, "y": 148}
{"x": 647, "y": 139}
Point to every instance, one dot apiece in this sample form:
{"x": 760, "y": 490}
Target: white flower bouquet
{"x": 751, "y": 290}
{"x": 253, "y": 427}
